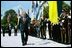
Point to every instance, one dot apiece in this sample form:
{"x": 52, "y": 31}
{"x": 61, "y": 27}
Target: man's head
{"x": 22, "y": 13}
{"x": 64, "y": 12}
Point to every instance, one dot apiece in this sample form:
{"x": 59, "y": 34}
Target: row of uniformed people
{"x": 8, "y": 29}
{"x": 60, "y": 32}
{"x": 65, "y": 27}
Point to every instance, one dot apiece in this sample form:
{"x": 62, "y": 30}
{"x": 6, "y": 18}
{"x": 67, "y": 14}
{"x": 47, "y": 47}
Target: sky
{"x": 6, "y": 5}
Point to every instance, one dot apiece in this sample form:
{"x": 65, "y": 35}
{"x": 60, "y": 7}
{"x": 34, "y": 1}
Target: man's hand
{"x": 29, "y": 27}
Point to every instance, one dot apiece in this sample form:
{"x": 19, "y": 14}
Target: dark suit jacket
{"x": 24, "y": 26}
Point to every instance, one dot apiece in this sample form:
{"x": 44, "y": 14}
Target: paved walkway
{"x": 15, "y": 41}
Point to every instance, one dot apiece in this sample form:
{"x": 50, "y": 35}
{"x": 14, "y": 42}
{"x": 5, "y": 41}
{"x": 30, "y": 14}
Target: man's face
{"x": 64, "y": 14}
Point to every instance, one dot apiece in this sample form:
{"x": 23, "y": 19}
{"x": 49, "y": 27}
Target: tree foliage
{"x": 46, "y": 11}
{"x": 66, "y": 6}
{"x": 13, "y": 19}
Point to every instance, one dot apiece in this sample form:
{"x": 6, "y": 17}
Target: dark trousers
{"x": 54, "y": 32}
{"x": 50, "y": 33}
{"x": 43, "y": 32}
{"x": 35, "y": 32}
{"x": 15, "y": 32}
{"x": 59, "y": 36}
{"x": 3, "y": 33}
{"x": 24, "y": 36}
{"x": 9, "y": 31}
{"x": 67, "y": 37}
{"x": 63, "y": 35}
{"x": 58, "y": 33}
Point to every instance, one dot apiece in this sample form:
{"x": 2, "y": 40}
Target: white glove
{"x": 28, "y": 27}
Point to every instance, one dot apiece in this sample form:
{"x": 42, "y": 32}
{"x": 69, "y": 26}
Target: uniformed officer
{"x": 9, "y": 24}
{"x": 3, "y": 30}
{"x": 49, "y": 29}
{"x": 43, "y": 28}
{"x": 33, "y": 31}
{"x": 9, "y": 29}
{"x": 64, "y": 29}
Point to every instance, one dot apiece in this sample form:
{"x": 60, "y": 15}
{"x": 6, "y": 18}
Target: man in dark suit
{"x": 23, "y": 26}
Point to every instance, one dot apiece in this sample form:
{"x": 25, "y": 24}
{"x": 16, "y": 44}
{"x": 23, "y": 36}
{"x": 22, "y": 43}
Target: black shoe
{"x": 3, "y": 35}
{"x": 50, "y": 39}
{"x": 23, "y": 44}
{"x": 44, "y": 38}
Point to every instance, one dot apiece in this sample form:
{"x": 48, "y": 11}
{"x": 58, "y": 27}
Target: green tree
{"x": 46, "y": 11}
{"x": 66, "y": 6}
{"x": 13, "y": 19}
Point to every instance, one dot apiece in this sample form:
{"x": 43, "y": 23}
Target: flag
{"x": 28, "y": 11}
{"x": 18, "y": 12}
{"x": 36, "y": 4}
{"x": 53, "y": 11}
{"x": 32, "y": 4}
{"x": 59, "y": 7}
{"x": 39, "y": 1}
